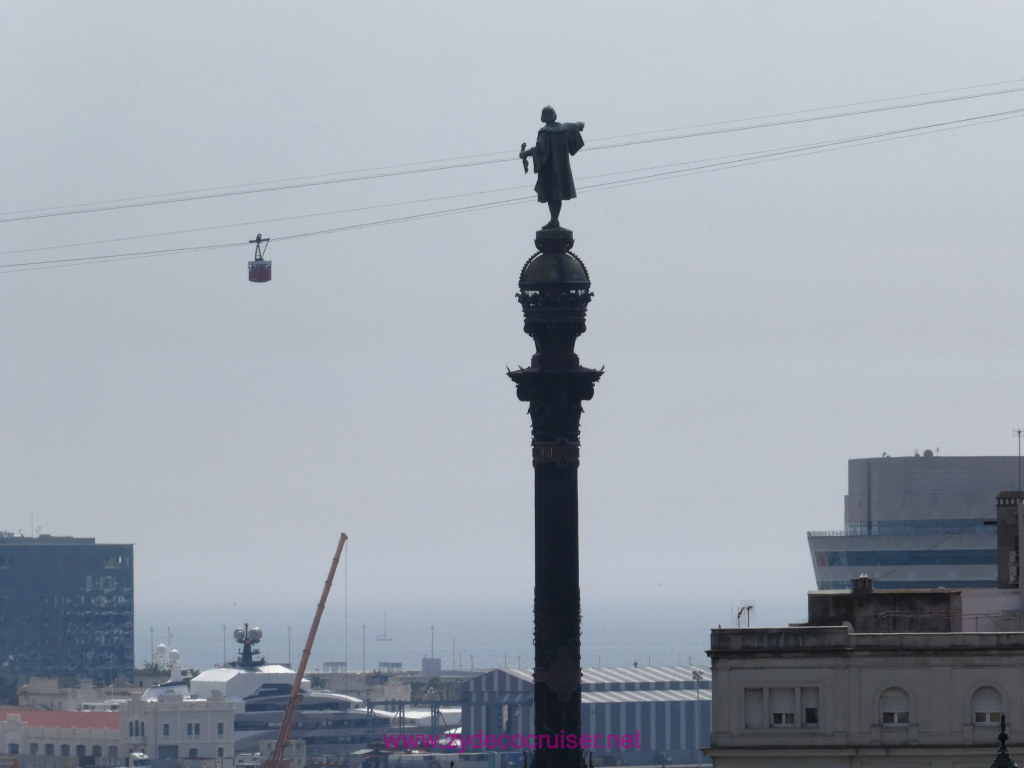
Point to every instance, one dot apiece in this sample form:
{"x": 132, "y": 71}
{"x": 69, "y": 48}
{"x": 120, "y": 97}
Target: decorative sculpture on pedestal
{"x": 554, "y": 291}
{"x": 555, "y": 143}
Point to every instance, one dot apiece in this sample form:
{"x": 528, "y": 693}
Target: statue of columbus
{"x": 555, "y": 143}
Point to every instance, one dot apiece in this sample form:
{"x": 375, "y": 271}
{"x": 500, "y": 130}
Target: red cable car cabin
{"x": 259, "y": 270}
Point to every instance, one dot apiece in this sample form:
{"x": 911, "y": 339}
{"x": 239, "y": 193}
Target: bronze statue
{"x": 555, "y": 143}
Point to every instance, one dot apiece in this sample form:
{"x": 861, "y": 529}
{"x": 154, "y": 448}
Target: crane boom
{"x": 285, "y": 734}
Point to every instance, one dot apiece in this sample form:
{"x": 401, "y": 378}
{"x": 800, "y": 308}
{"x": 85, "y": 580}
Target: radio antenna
{"x": 1018, "y": 433}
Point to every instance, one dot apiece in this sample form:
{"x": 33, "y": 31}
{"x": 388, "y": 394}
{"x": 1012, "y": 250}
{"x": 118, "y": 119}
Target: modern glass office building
{"x": 67, "y": 607}
{"x": 916, "y": 522}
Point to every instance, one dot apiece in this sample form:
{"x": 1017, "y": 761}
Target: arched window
{"x": 895, "y": 706}
{"x": 987, "y": 706}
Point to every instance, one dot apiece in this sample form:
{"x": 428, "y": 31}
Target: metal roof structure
{"x": 636, "y": 697}
{"x": 648, "y": 677}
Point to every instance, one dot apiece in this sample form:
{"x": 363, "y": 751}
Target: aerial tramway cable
{"x": 657, "y": 173}
{"x": 429, "y": 166}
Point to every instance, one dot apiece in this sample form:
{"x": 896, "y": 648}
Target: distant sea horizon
{"x": 464, "y": 638}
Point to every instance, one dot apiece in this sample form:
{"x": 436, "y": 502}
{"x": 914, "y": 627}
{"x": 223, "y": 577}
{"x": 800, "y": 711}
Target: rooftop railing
{"x": 909, "y": 528}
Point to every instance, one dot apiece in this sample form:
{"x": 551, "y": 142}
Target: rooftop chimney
{"x": 863, "y": 586}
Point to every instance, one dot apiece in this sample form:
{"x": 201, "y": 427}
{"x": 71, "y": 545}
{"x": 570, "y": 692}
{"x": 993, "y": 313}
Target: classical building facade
{"x": 191, "y": 733}
{"x": 42, "y": 739}
{"x": 827, "y": 697}
{"x": 874, "y": 679}
{"x": 177, "y": 729}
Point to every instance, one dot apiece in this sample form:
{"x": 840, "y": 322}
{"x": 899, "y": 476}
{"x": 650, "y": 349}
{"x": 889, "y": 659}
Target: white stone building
{"x": 47, "y": 739}
{"x": 177, "y": 729}
{"x": 914, "y": 677}
{"x": 65, "y": 693}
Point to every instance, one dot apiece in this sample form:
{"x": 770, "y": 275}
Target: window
{"x": 48, "y": 750}
{"x": 193, "y": 753}
{"x": 12, "y": 748}
{"x": 80, "y": 750}
{"x": 809, "y": 704}
{"x": 220, "y": 751}
{"x": 754, "y": 707}
{"x": 780, "y": 708}
{"x": 97, "y": 751}
{"x": 987, "y": 706}
{"x": 167, "y": 729}
{"x": 220, "y": 729}
{"x": 197, "y": 730}
{"x": 65, "y": 750}
{"x": 33, "y": 748}
{"x": 188, "y": 729}
{"x": 895, "y": 705}
{"x": 782, "y": 703}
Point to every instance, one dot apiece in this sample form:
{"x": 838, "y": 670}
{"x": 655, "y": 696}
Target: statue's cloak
{"x": 555, "y": 143}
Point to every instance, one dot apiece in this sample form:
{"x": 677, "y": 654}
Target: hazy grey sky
{"x": 760, "y": 324}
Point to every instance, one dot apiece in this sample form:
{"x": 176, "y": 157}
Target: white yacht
{"x": 330, "y": 723}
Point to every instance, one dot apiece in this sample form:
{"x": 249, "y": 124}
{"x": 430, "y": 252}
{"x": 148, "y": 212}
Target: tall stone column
{"x": 554, "y": 290}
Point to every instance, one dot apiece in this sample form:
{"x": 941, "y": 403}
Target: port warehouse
{"x": 665, "y": 704}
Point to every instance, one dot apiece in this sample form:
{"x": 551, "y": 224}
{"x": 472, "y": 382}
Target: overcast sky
{"x": 760, "y": 323}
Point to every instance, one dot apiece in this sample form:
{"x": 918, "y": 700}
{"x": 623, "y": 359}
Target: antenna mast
{"x": 1018, "y": 433}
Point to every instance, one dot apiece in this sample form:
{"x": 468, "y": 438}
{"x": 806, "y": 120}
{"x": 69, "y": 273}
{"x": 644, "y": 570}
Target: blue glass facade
{"x": 67, "y": 607}
{"x": 916, "y": 522}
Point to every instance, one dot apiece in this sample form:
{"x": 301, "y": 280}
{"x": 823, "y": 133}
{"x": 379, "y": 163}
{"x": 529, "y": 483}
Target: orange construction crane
{"x": 276, "y": 760}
